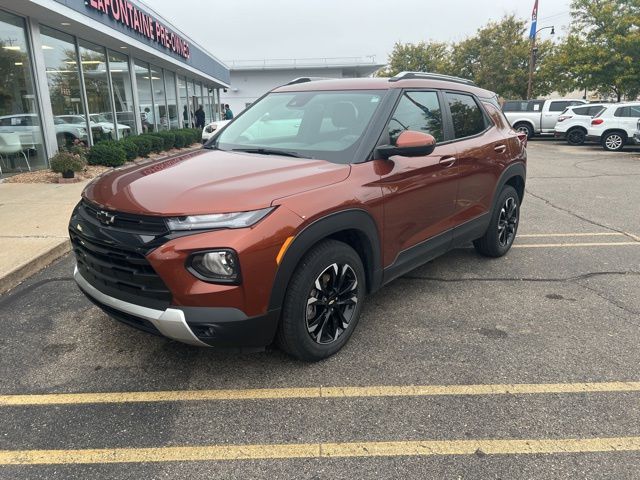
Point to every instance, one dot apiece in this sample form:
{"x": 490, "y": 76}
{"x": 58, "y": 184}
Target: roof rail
{"x": 431, "y": 76}
{"x": 304, "y": 80}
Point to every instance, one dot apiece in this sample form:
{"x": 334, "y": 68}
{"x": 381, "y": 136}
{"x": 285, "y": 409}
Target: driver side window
{"x": 419, "y": 111}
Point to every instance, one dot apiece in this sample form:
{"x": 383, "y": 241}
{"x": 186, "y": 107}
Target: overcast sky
{"x": 258, "y": 29}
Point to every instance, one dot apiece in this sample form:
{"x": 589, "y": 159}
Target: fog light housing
{"x": 215, "y": 266}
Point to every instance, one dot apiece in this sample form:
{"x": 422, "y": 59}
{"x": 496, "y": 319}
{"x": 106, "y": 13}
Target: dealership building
{"x": 85, "y": 70}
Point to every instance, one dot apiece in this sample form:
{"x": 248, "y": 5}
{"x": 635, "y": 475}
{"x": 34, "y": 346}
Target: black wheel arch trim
{"x": 353, "y": 219}
{"x": 515, "y": 170}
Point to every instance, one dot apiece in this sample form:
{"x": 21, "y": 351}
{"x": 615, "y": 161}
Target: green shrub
{"x": 109, "y": 154}
{"x": 63, "y": 162}
{"x": 180, "y": 139}
{"x": 168, "y": 138}
{"x": 157, "y": 143}
{"x": 144, "y": 145}
{"x": 130, "y": 148}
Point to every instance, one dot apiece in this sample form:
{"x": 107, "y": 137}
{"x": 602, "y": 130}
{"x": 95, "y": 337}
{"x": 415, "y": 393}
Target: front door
{"x": 419, "y": 192}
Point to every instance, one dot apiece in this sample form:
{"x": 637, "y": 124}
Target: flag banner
{"x": 534, "y": 21}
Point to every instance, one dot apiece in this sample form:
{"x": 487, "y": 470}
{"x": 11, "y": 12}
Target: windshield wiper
{"x": 269, "y": 151}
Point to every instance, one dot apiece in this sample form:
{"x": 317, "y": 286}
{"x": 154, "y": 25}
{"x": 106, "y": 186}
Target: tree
{"x": 497, "y": 58}
{"x": 602, "y": 51}
{"x": 434, "y": 57}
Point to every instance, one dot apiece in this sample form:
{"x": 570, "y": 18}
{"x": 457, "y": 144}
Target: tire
{"x": 503, "y": 227}
{"x": 315, "y": 322}
{"x": 614, "y": 141}
{"x": 524, "y": 128}
{"x": 576, "y": 136}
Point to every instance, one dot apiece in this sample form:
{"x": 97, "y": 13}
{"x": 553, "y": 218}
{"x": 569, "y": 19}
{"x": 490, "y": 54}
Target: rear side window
{"x": 468, "y": 119}
{"x": 595, "y": 110}
{"x": 628, "y": 112}
{"x": 582, "y": 111}
{"x": 559, "y": 106}
{"x": 419, "y": 111}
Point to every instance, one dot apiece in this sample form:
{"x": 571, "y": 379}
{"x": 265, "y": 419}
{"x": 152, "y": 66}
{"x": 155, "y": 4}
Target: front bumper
{"x": 560, "y": 135}
{"x": 636, "y": 138}
{"x": 221, "y": 327}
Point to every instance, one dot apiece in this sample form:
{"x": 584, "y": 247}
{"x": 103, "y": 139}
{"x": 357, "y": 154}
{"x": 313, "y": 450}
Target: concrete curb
{"x": 19, "y": 274}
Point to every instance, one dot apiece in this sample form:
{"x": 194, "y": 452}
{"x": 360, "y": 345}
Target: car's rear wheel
{"x": 323, "y": 302}
{"x": 503, "y": 227}
{"x": 576, "y": 136}
{"x": 613, "y": 141}
{"x": 524, "y": 128}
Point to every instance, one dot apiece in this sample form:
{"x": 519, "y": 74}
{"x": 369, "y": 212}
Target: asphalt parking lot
{"x": 522, "y": 367}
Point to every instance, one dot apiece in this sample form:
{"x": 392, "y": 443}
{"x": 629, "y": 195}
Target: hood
{"x": 210, "y": 181}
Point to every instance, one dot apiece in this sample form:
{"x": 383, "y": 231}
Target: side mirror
{"x": 409, "y": 144}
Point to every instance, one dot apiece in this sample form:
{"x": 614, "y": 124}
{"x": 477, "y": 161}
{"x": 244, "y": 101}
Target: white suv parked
{"x": 616, "y": 126}
{"x": 574, "y": 122}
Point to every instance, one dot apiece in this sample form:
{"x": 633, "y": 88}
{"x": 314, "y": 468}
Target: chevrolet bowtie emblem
{"x": 106, "y": 217}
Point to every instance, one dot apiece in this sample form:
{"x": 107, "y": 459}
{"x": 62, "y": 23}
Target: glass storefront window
{"x": 207, "y": 105}
{"x": 63, "y": 77}
{"x": 184, "y": 100}
{"x": 145, "y": 99}
{"x": 159, "y": 100}
{"x": 21, "y": 146}
{"x": 122, "y": 93}
{"x": 96, "y": 85}
{"x": 172, "y": 107}
{"x": 193, "y": 102}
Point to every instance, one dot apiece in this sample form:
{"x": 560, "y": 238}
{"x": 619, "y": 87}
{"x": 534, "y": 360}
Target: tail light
{"x": 563, "y": 118}
{"x": 523, "y": 138}
{"x": 597, "y": 121}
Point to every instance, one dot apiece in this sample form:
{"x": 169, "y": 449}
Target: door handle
{"x": 500, "y": 148}
{"x": 447, "y": 161}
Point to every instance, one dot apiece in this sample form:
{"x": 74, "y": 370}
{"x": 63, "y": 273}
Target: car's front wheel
{"x": 323, "y": 302}
{"x": 614, "y": 141}
{"x": 503, "y": 227}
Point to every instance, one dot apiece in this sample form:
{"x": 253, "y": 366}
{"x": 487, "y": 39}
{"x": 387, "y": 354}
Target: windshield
{"x": 324, "y": 124}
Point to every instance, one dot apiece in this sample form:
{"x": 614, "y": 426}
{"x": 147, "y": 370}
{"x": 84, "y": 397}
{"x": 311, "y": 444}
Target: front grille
{"x": 144, "y": 224}
{"x": 120, "y": 273}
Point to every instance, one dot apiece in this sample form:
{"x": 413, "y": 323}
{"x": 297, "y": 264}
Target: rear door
{"x": 552, "y": 112}
{"x": 482, "y": 148}
{"x": 628, "y": 117}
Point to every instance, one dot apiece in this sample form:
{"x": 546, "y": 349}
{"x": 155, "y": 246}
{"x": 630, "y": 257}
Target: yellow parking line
{"x": 316, "y": 392}
{"x": 595, "y": 234}
{"x": 320, "y": 450}
{"x": 573, "y": 245}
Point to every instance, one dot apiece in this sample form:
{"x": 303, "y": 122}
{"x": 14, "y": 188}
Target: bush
{"x": 63, "y": 162}
{"x": 130, "y": 148}
{"x": 109, "y": 154}
{"x": 181, "y": 139}
{"x": 143, "y": 143}
{"x": 157, "y": 143}
{"x": 168, "y": 139}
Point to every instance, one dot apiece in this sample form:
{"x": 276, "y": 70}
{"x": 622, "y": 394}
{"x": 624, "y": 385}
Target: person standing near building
{"x": 200, "y": 117}
{"x": 228, "y": 114}
{"x": 185, "y": 117}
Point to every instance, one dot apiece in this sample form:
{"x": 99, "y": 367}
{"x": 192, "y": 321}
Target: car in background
{"x": 574, "y": 122}
{"x": 537, "y": 117}
{"x": 100, "y": 125}
{"x": 28, "y": 126}
{"x": 615, "y": 126}
{"x": 213, "y": 127}
{"x": 636, "y": 136}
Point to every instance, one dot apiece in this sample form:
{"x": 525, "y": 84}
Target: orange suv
{"x": 317, "y": 195}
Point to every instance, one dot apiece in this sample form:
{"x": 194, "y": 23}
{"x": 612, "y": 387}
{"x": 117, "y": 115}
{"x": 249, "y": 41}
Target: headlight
{"x": 218, "y": 220}
{"x": 215, "y": 266}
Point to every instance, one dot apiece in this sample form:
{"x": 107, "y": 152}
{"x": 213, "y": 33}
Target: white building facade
{"x": 250, "y": 79}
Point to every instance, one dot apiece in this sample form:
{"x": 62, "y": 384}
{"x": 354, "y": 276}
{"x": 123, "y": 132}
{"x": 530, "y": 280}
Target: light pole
{"x": 532, "y": 59}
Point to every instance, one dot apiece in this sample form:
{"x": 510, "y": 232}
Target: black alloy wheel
{"x": 332, "y": 303}
{"x": 576, "y": 136}
{"x": 323, "y": 302}
{"x": 503, "y": 225}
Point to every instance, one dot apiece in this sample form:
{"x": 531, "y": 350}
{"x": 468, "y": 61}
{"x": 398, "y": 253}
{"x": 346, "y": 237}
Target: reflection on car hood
{"x": 210, "y": 181}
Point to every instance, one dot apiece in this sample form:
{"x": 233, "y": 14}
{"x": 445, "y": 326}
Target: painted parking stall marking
{"x": 315, "y": 392}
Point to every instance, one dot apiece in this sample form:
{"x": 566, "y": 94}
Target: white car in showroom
{"x": 213, "y": 127}
{"x": 574, "y": 122}
{"x": 615, "y": 126}
{"x": 98, "y": 121}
